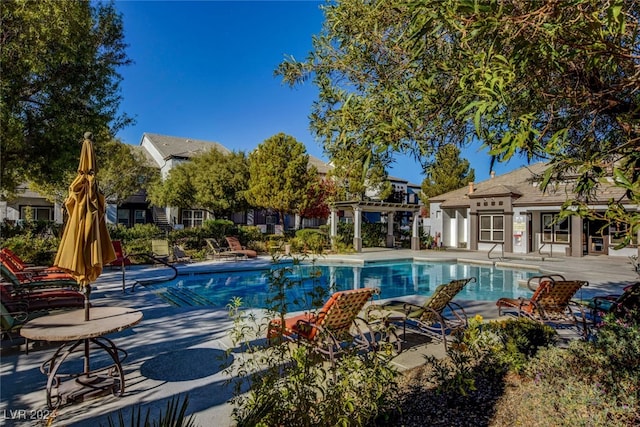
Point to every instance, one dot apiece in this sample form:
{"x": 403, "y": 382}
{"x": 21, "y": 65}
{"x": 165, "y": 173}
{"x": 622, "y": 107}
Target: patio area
{"x": 179, "y": 350}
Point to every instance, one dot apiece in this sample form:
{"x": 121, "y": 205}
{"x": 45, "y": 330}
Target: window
{"x": 555, "y": 230}
{"x": 123, "y": 217}
{"x": 492, "y": 228}
{"x": 139, "y": 217}
{"x": 192, "y": 218}
{"x": 618, "y": 232}
{"x": 36, "y": 213}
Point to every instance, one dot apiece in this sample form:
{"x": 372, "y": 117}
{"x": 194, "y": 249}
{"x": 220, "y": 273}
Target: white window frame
{"x": 553, "y": 231}
{"x": 34, "y": 211}
{"x": 494, "y": 230}
{"x": 617, "y": 231}
{"x": 192, "y": 218}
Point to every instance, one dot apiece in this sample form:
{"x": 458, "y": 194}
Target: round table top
{"x": 70, "y": 325}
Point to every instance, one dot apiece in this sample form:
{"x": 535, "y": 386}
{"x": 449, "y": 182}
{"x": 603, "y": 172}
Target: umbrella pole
{"x": 123, "y": 282}
{"x": 87, "y": 293}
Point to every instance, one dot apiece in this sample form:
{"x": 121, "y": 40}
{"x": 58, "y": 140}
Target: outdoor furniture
{"x": 236, "y": 246}
{"x": 121, "y": 260}
{"x": 20, "y": 265}
{"x": 81, "y": 336}
{"x": 33, "y": 279}
{"x": 438, "y": 317}
{"x": 625, "y": 306}
{"x": 214, "y": 250}
{"x": 39, "y": 300}
{"x": 179, "y": 255}
{"x": 550, "y": 303}
{"x": 327, "y": 329}
{"x": 160, "y": 249}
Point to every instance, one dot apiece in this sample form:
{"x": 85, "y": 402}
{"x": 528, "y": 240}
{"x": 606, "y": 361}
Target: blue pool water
{"x": 393, "y": 279}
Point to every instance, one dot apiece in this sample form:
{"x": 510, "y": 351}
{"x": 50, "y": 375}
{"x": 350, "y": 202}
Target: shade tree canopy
{"x": 447, "y": 173}
{"x": 60, "y": 61}
{"x": 279, "y": 175}
{"x": 553, "y": 81}
{"x": 214, "y": 181}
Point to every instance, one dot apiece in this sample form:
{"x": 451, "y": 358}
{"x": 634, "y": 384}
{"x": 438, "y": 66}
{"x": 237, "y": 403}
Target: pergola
{"x": 359, "y": 206}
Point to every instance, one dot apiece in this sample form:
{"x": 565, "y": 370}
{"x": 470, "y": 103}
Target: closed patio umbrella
{"x": 85, "y": 246}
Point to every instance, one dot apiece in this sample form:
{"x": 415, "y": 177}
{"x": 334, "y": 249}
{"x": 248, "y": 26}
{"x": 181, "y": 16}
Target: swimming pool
{"x": 392, "y": 279}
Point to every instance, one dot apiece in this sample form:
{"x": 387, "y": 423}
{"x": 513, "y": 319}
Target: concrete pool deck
{"x": 178, "y": 350}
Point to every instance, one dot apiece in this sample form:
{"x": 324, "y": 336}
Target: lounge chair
{"x": 11, "y": 321}
{"x": 550, "y": 303}
{"x": 635, "y": 263}
{"x": 23, "y": 266}
{"x": 33, "y": 279}
{"x": 439, "y": 316}
{"x": 121, "y": 260}
{"x": 328, "y": 329}
{"x": 179, "y": 255}
{"x": 624, "y": 306}
{"x": 236, "y": 246}
{"x": 214, "y": 250}
{"x": 160, "y": 250}
{"x": 39, "y": 300}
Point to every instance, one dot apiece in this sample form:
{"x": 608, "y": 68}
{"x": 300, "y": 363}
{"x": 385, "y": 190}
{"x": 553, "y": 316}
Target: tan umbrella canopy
{"x": 85, "y": 246}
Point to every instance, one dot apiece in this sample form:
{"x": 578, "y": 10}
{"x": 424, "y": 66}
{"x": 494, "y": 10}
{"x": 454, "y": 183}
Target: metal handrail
{"x": 161, "y": 261}
{"x": 550, "y": 250}
{"x": 501, "y": 257}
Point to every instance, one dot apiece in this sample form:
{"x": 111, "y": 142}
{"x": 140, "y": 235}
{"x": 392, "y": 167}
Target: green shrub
{"x": 590, "y": 383}
{"x": 218, "y": 228}
{"x": 521, "y": 339}
{"x": 34, "y": 249}
{"x": 310, "y": 239}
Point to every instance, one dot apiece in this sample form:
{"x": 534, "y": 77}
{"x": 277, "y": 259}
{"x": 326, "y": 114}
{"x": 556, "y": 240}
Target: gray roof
{"x": 523, "y": 185}
{"x": 322, "y": 166}
{"x": 145, "y": 155}
{"x": 175, "y": 146}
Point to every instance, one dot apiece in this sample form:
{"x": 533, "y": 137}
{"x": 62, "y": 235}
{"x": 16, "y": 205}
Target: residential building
{"x": 511, "y": 213}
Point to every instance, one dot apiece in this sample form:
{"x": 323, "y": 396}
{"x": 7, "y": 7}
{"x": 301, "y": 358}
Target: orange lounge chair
{"x": 23, "y": 266}
{"x": 439, "y": 316}
{"x": 26, "y": 278}
{"x": 236, "y": 246}
{"x": 39, "y": 300}
{"x": 550, "y": 303}
{"x": 121, "y": 259}
{"x": 327, "y": 329}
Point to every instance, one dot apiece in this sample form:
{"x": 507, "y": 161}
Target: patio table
{"x": 67, "y": 385}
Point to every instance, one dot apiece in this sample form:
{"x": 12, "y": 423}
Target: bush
{"x": 310, "y": 239}
{"x": 34, "y": 249}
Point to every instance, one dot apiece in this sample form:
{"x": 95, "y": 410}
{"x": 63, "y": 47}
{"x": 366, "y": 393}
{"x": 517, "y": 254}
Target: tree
{"x": 449, "y": 172}
{"x": 176, "y": 190}
{"x": 549, "y": 80}
{"x": 122, "y": 172}
{"x": 60, "y": 61}
{"x": 220, "y": 181}
{"x": 213, "y": 180}
{"x": 279, "y": 175}
{"x": 316, "y": 202}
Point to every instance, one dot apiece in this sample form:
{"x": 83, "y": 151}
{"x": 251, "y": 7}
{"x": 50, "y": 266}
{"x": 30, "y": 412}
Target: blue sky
{"x": 204, "y": 70}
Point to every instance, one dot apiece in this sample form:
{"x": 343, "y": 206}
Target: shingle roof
{"x": 175, "y": 146}
{"x": 524, "y": 184}
{"x": 322, "y": 166}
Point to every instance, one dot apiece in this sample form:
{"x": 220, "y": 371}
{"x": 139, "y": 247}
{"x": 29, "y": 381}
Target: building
{"x": 510, "y": 213}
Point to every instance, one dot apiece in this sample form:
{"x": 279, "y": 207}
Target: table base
{"x": 64, "y": 388}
